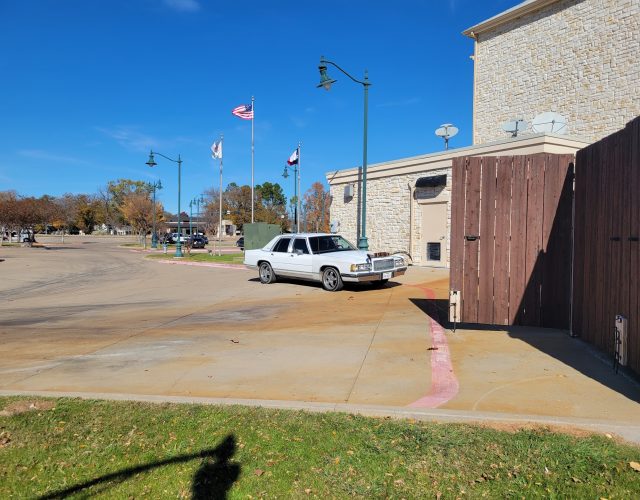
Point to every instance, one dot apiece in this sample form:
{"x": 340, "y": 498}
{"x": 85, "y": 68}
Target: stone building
{"x": 575, "y": 57}
{"x": 578, "y": 58}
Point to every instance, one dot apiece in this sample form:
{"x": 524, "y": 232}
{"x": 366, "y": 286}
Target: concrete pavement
{"x": 89, "y": 318}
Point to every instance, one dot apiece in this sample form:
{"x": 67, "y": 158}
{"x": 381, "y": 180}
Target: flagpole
{"x": 253, "y": 114}
{"x": 299, "y": 205}
{"x": 220, "y": 207}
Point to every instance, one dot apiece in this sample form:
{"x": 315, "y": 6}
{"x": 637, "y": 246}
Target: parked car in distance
{"x": 167, "y": 238}
{"x": 240, "y": 242}
{"x": 196, "y": 241}
{"x": 327, "y": 258}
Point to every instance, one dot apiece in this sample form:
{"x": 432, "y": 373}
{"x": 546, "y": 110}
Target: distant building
{"x": 578, "y": 58}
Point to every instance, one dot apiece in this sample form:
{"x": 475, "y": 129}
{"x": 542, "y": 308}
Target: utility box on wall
{"x": 258, "y": 234}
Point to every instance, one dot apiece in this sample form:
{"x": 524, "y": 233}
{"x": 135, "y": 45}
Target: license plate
{"x": 386, "y": 276}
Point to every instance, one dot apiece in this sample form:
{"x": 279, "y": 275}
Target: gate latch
{"x": 471, "y": 237}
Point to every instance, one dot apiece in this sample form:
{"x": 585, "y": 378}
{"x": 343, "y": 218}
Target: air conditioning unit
{"x": 348, "y": 191}
{"x": 621, "y": 341}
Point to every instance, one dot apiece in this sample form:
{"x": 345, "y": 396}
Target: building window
{"x": 433, "y": 251}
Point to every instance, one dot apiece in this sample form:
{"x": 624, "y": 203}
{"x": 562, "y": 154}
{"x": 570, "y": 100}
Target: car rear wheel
{"x": 266, "y": 273}
{"x": 331, "y": 279}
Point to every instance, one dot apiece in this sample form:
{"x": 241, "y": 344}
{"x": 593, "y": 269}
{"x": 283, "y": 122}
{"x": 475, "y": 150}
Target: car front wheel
{"x": 266, "y": 273}
{"x": 331, "y": 279}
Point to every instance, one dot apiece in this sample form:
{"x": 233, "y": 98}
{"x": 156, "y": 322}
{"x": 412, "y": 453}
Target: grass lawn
{"x": 228, "y": 258}
{"x": 69, "y": 447}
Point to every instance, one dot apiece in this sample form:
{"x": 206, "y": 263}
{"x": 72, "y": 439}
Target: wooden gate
{"x": 607, "y": 246}
{"x": 511, "y": 239}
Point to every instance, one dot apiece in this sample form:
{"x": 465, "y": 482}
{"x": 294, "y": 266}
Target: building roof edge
{"x": 514, "y": 12}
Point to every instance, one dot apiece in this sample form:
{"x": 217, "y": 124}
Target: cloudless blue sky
{"x": 87, "y": 87}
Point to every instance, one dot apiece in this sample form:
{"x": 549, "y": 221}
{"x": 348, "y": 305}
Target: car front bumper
{"x": 373, "y": 276}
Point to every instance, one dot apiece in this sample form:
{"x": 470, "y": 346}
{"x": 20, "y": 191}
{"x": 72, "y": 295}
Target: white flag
{"x": 216, "y": 149}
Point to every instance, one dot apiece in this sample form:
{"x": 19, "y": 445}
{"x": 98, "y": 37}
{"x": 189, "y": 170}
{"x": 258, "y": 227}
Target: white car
{"x": 327, "y": 258}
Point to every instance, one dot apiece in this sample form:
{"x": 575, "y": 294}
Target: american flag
{"x": 244, "y": 111}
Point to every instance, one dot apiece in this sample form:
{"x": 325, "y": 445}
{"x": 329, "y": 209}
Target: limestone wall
{"x": 579, "y": 58}
{"x": 389, "y": 212}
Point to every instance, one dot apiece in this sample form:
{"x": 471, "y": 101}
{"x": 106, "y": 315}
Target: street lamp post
{"x": 325, "y": 82}
{"x": 152, "y": 163}
{"x": 196, "y": 201}
{"x": 154, "y": 235}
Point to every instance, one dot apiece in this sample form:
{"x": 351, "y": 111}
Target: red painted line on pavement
{"x": 202, "y": 264}
{"x": 444, "y": 384}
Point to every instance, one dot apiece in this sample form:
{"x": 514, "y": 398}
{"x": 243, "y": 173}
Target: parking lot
{"x": 90, "y": 316}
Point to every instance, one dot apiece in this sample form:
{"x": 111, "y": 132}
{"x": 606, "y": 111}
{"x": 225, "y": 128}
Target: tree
{"x": 272, "y": 207}
{"x": 237, "y": 204}
{"x": 8, "y": 202}
{"x": 111, "y": 198}
{"x": 316, "y": 203}
{"x": 66, "y": 213}
{"x": 137, "y": 209}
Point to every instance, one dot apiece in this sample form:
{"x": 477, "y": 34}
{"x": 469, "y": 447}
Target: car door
{"x": 279, "y": 256}
{"x": 300, "y": 258}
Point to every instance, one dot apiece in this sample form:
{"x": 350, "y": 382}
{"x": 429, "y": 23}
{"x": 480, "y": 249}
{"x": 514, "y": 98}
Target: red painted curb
{"x": 444, "y": 384}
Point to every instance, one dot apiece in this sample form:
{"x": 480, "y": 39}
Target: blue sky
{"x": 87, "y": 87}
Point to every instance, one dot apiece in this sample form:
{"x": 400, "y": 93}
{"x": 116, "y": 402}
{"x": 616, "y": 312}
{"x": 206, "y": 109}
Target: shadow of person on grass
{"x": 213, "y": 479}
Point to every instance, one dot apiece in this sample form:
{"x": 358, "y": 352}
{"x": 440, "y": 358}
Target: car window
{"x": 282, "y": 245}
{"x": 329, "y": 243}
{"x": 300, "y": 244}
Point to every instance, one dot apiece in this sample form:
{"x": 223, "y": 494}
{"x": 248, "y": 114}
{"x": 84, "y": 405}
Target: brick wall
{"x": 576, "y": 57}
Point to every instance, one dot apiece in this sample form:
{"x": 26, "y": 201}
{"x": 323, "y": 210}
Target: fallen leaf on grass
{"x": 635, "y": 466}
{"x": 258, "y": 472}
{"x": 576, "y": 480}
{"x": 5, "y": 439}
{"x": 308, "y": 491}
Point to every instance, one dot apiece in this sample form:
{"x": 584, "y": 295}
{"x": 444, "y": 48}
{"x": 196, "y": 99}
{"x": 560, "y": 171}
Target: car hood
{"x": 351, "y": 256}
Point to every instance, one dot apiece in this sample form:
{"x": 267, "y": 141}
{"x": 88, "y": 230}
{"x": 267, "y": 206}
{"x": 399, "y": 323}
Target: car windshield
{"x": 329, "y": 243}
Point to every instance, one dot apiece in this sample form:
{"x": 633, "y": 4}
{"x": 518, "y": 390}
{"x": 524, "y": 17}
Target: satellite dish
{"x": 550, "y": 122}
{"x": 446, "y": 131}
{"x": 515, "y": 126}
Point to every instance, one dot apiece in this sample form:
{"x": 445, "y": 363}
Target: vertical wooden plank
{"x": 534, "y": 256}
{"x": 564, "y": 240}
{"x": 551, "y": 198}
{"x": 517, "y": 284}
{"x": 579, "y": 250}
{"x": 504, "y": 176}
{"x": 599, "y": 266}
{"x": 487, "y": 226}
{"x": 458, "y": 174}
{"x": 634, "y": 259}
{"x": 624, "y": 220}
{"x": 556, "y": 241}
{"x": 471, "y": 228}
{"x": 590, "y": 162}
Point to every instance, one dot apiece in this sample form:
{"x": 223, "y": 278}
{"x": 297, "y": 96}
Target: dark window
{"x": 282, "y": 245}
{"x": 300, "y": 244}
{"x": 433, "y": 251}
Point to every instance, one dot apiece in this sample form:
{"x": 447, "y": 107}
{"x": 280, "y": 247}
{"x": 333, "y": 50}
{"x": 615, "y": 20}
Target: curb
{"x": 628, "y": 432}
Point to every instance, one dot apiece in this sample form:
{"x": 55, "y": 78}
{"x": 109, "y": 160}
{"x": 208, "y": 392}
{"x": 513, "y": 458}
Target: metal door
{"x": 434, "y": 234}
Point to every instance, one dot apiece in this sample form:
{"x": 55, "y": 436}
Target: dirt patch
{"x": 18, "y": 407}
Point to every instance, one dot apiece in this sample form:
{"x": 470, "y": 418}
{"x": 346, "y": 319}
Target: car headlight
{"x": 360, "y": 267}
{"x": 398, "y": 261}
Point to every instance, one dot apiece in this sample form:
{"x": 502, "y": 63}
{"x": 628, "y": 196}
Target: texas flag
{"x": 216, "y": 149}
{"x": 295, "y": 156}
